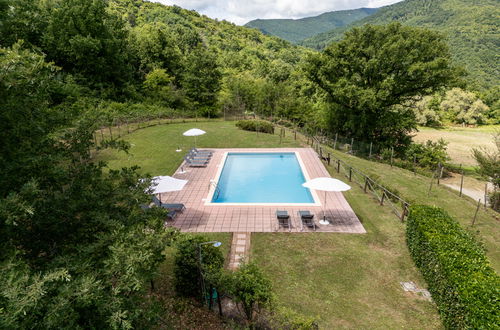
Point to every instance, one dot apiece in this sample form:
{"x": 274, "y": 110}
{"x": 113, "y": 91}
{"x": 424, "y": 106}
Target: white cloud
{"x": 242, "y": 11}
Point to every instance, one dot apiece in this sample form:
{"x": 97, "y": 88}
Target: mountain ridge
{"x": 473, "y": 31}
{"x": 296, "y": 30}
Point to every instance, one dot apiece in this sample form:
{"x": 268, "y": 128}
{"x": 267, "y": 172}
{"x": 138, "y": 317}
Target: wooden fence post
{"x": 295, "y": 135}
{"x": 329, "y": 158}
{"x": 383, "y": 197}
{"x": 392, "y": 155}
{"x": 352, "y": 143}
{"x": 438, "y": 176}
{"x": 338, "y": 166}
{"x": 320, "y": 153}
{"x": 366, "y": 184}
{"x": 461, "y": 183}
{"x": 350, "y": 174}
{"x": 477, "y": 210}
{"x": 403, "y": 213}
{"x": 485, "y": 195}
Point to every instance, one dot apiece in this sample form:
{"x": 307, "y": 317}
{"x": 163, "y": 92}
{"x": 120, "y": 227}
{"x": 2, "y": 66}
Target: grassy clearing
{"x": 154, "y": 148}
{"x": 415, "y": 189}
{"x": 348, "y": 280}
{"x": 461, "y": 140}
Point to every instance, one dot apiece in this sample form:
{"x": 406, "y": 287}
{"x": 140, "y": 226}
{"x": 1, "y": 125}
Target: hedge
{"x": 256, "y": 126}
{"x": 461, "y": 280}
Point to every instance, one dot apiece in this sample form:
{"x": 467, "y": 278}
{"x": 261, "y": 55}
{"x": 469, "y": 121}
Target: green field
{"x": 154, "y": 148}
{"x": 461, "y": 140}
{"x": 345, "y": 281}
{"x": 348, "y": 280}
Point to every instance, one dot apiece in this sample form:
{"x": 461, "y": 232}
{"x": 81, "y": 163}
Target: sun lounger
{"x": 283, "y": 219}
{"x": 307, "y": 219}
{"x": 178, "y": 207}
{"x": 171, "y": 215}
{"x": 196, "y": 163}
{"x": 201, "y": 152}
{"x": 200, "y": 158}
{"x": 193, "y": 153}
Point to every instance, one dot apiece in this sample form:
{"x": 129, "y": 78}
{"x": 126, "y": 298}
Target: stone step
{"x": 240, "y": 249}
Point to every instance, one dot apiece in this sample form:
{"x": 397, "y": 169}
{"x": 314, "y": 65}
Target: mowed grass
{"x": 415, "y": 189}
{"x": 345, "y": 281}
{"x": 348, "y": 281}
{"x": 461, "y": 140}
{"x": 154, "y": 148}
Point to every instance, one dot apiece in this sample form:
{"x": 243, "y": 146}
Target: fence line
{"x": 385, "y": 196}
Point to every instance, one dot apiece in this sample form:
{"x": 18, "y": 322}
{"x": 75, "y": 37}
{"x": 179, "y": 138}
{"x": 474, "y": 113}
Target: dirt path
{"x": 472, "y": 187}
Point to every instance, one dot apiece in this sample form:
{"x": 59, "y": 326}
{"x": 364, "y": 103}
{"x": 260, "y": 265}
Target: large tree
{"x": 76, "y": 250}
{"x": 86, "y": 40}
{"x": 375, "y": 68}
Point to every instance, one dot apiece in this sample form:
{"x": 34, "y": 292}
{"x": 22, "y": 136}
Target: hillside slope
{"x": 295, "y": 30}
{"x": 472, "y": 27}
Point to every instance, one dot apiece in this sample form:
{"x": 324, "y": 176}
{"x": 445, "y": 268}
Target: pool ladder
{"x": 216, "y": 189}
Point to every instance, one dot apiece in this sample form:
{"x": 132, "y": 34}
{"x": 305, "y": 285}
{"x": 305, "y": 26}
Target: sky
{"x": 242, "y": 11}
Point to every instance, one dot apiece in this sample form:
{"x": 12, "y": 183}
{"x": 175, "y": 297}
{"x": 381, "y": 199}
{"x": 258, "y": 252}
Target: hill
{"x": 472, "y": 28}
{"x": 295, "y": 30}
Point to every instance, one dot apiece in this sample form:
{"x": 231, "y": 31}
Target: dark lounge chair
{"x": 307, "y": 219}
{"x": 283, "y": 219}
{"x": 193, "y": 163}
{"x": 171, "y": 215}
{"x": 193, "y": 153}
{"x": 201, "y": 152}
{"x": 178, "y": 207}
{"x": 198, "y": 158}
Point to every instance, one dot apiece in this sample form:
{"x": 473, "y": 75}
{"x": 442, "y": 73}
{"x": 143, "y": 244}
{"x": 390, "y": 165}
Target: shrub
{"x": 250, "y": 287}
{"x": 460, "y": 278}
{"x": 186, "y": 264}
{"x": 428, "y": 154}
{"x": 256, "y": 126}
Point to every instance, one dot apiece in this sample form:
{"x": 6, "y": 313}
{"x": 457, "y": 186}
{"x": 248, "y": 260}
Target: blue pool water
{"x": 262, "y": 178}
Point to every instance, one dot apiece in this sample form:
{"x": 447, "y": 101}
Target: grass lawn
{"x": 415, "y": 190}
{"x": 348, "y": 280}
{"x": 461, "y": 140}
{"x": 154, "y": 148}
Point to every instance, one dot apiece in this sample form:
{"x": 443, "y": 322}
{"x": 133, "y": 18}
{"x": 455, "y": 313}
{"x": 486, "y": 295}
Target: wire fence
{"x": 383, "y": 194}
{"x": 318, "y": 140}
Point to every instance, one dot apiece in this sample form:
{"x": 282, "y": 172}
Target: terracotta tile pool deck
{"x": 199, "y": 217}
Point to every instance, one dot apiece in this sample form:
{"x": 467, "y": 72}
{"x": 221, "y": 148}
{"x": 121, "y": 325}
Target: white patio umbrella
{"x": 194, "y": 132}
{"x": 326, "y": 184}
{"x": 163, "y": 184}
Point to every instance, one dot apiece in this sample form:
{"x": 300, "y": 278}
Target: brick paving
{"x": 199, "y": 217}
{"x": 240, "y": 248}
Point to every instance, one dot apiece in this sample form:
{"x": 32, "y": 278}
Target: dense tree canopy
{"x": 375, "y": 68}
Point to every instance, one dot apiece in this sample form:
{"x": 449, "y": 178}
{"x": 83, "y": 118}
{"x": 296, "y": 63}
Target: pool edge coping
{"x": 211, "y": 191}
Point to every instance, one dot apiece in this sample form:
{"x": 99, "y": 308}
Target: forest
{"x": 77, "y": 251}
{"x": 471, "y": 29}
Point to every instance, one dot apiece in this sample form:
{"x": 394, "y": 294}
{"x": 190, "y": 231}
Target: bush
{"x": 250, "y": 287}
{"x": 428, "y": 155}
{"x": 495, "y": 200}
{"x": 256, "y": 126}
{"x": 186, "y": 264}
{"x": 460, "y": 278}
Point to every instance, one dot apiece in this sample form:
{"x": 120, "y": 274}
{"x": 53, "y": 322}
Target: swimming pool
{"x": 262, "y": 178}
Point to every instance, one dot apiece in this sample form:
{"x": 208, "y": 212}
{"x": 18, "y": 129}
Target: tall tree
{"x": 76, "y": 251}
{"x": 86, "y": 40}
{"x": 375, "y": 68}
